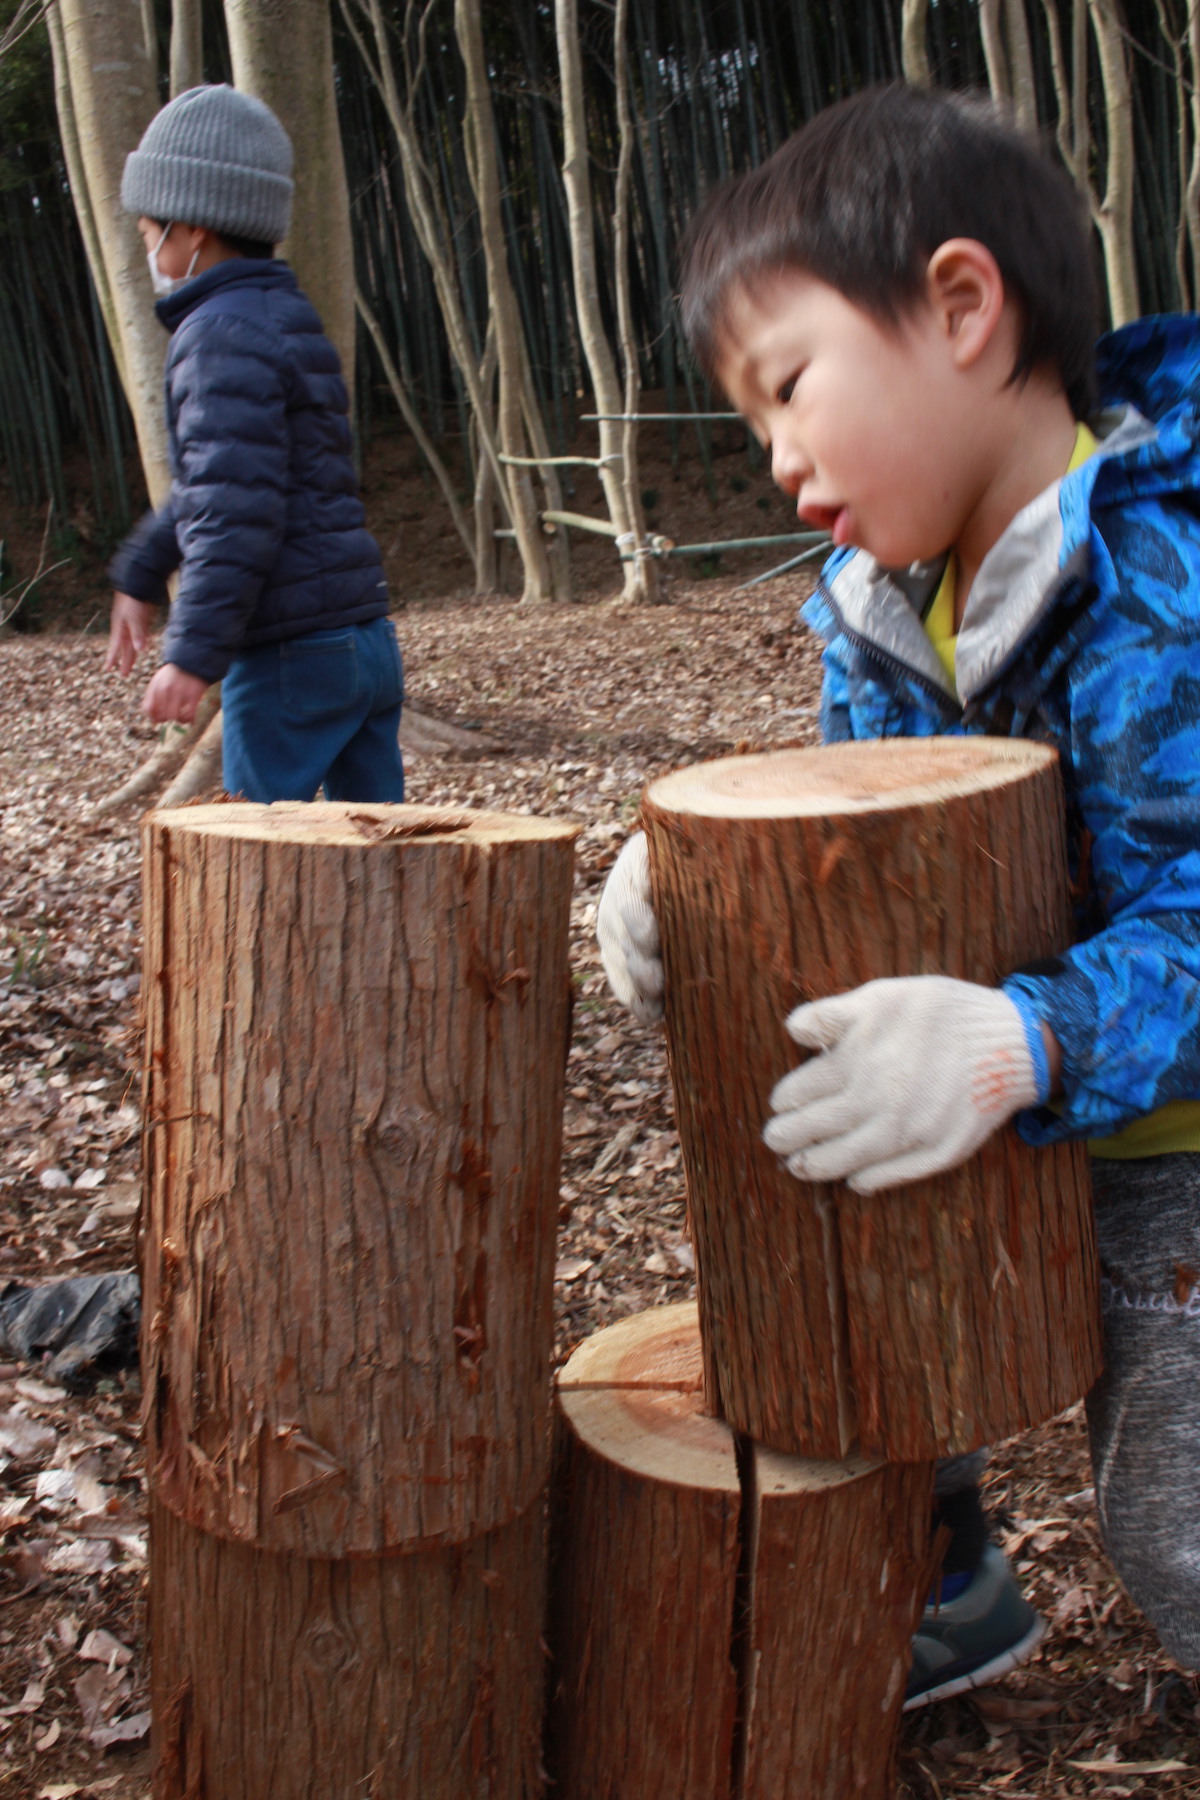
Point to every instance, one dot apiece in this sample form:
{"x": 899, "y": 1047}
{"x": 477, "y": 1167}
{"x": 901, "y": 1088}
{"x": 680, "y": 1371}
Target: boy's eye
{"x": 783, "y": 394}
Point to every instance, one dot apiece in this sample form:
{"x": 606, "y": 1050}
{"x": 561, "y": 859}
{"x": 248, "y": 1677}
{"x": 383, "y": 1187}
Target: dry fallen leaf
{"x": 50, "y": 1737}
{"x": 21, "y": 1438}
{"x": 103, "y": 1647}
{"x": 123, "y": 1731}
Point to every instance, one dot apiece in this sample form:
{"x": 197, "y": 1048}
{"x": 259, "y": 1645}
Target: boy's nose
{"x": 790, "y": 468}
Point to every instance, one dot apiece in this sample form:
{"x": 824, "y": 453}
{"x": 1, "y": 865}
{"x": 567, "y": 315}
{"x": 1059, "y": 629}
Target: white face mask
{"x": 166, "y": 284}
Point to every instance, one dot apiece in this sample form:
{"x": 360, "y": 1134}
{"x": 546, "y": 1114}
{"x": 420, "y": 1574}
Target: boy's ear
{"x": 966, "y": 290}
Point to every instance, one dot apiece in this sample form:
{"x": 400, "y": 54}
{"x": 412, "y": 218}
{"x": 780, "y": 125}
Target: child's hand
{"x": 914, "y": 1075}
{"x": 128, "y": 632}
{"x": 628, "y": 933}
{"x": 173, "y": 694}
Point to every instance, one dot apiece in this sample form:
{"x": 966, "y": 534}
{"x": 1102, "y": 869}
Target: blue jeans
{"x": 322, "y": 709}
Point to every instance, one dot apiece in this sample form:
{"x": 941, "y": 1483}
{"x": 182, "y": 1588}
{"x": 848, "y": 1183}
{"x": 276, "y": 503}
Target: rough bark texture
{"x": 356, "y": 1024}
{"x": 726, "y": 1623}
{"x": 952, "y": 1312}
{"x": 415, "y": 1677}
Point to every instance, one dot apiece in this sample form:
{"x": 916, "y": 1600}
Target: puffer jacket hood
{"x": 264, "y": 518}
{"x": 1083, "y": 631}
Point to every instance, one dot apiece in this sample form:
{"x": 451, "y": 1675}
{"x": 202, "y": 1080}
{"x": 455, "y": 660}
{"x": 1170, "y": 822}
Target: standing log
{"x": 726, "y": 1623}
{"x": 356, "y": 1024}
{"x": 415, "y": 1677}
{"x": 938, "y": 1317}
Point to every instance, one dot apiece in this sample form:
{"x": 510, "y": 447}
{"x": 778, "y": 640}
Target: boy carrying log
{"x": 900, "y": 303}
{"x": 282, "y": 595}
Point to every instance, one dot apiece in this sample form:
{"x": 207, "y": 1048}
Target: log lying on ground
{"x": 408, "y": 1677}
{"x": 940, "y": 1316}
{"x": 356, "y": 1023}
{"x": 726, "y": 1623}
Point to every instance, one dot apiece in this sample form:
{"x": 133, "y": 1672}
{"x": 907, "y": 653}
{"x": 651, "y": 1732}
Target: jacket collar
{"x": 1018, "y": 580}
{"x": 266, "y": 272}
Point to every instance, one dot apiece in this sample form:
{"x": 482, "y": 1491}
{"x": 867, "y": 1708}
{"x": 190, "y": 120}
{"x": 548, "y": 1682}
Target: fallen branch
{"x": 176, "y": 745}
{"x": 202, "y": 768}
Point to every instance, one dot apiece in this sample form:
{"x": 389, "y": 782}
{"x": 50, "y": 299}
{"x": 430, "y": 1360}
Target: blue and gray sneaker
{"x": 969, "y": 1638}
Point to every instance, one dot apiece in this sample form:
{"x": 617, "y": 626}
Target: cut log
{"x": 356, "y": 1025}
{"x": 417, "y": 1677}
{"x": 726, "y": 1623}
{"x": 924, "y": 1321}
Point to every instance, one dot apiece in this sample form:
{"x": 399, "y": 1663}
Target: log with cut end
{"x": 726, "y": 1623}
{"x": 922, "y": 1321}
{"x": 406, "y": 1677}
{"x": 356, "y": 1030}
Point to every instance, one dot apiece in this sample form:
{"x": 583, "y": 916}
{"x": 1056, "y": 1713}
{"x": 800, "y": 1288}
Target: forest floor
{"x": 574, "y": 707}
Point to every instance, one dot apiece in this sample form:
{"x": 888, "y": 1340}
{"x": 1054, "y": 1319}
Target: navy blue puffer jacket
{"x": 264, "y": 514}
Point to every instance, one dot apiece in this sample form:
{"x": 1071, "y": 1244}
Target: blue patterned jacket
{"x": 1082, "y": 631}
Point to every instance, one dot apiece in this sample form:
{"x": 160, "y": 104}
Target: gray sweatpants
{"x": 1144, "y": 1412}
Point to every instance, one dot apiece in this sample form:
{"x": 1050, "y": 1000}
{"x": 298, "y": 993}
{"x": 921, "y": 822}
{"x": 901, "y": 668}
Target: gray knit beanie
{"x": 213, "y": 157}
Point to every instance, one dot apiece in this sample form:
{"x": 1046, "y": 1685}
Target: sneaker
{"x": 973, "y": 1638}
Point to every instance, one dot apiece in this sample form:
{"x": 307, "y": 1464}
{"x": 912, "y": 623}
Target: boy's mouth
{"x": 833, "y": 519}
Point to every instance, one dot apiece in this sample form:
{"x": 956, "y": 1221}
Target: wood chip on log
{"x": 356, "y": 1025}
{"x": 726, "y": 1623}
{"x": 917, "y": 1322}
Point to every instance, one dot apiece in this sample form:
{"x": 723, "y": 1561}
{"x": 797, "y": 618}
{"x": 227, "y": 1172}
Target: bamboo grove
{"x": 519, "y": 175}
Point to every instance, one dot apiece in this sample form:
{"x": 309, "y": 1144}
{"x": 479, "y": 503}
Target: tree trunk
{"x": 102, "y": 120}
{"x": 645, "y": 584}
{"x": 991, "y": 31}
{"x": 914, "y": 21}
{"x": 479, "y": 132}
{"x": 423, "y": 211}
{"x": 282, "y": 52}
{"x": 601, "y": 367}
{"x": 414, "y": 1677}
{"x": 727, "y": 1623}
{"x": 1020, "y": 63}
{"x": 187, "y": 45}
{"x": 356, "y": 1030}
{"x": 960, "y": 1309}
{"x": 1113, "y": 214}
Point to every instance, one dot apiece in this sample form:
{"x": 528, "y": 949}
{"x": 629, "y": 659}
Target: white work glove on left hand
{"x": 628, "y": 933}
{"x": 915, "y": 1073}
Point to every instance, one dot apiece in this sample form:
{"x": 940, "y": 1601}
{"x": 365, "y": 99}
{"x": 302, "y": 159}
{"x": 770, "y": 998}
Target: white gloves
{"x": 628, "y": 933}
{"x": 914, "y": 1074}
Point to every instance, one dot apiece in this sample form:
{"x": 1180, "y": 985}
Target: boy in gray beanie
{"x": 281, "y": 593}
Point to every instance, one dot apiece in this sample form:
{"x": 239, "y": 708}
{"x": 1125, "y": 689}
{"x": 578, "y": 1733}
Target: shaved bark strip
{"x": 946, "y": 1314}
{"x": 727, "y": 1623}
{"x": 356, "y": 1028}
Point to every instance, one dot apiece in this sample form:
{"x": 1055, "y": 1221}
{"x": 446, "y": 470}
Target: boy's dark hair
{"x": 252, "y": 247}
{"x": 248, "y": 247}
{"x": 862, "y": 196}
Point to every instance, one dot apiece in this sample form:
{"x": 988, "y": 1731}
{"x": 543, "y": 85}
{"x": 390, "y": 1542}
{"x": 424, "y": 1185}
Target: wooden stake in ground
{"x": 727, "y": 1623}
{"x": 940, "y": 1316}
{"x": 356, "y": 1023}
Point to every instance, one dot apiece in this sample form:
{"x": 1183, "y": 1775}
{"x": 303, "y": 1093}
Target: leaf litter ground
{"x": 570, "y": 710}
